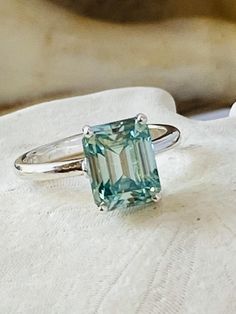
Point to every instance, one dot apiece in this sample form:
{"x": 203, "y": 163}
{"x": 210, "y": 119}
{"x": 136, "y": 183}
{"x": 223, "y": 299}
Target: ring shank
{"x": 65, "y": 157}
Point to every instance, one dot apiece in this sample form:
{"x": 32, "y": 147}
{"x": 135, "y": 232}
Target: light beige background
{"x": 48, "y": 51}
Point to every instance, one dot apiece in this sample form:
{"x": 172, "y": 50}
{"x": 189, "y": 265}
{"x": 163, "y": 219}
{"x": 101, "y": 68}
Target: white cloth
{"x": 59, "y": 254}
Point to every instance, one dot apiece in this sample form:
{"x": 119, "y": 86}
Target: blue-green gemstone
{"x": 121, "y": 164}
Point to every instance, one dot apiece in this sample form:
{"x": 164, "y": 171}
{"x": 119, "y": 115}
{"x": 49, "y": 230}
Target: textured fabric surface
{"x": 58, "y": 254}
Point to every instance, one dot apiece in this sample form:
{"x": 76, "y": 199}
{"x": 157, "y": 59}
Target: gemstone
{"x": 121, "y": 164}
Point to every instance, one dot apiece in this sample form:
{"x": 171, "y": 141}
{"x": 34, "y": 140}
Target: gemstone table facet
{"x": 121, "y": 164}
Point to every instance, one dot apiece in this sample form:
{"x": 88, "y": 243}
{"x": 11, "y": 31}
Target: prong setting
{"x": 84, "y": 166}
{"x": 87, "y": 131}
{"x": 141, "y": 118}
{"x": 152, "y": 189}
{"x": 156, "y": 198}
{"x": 102, "y": 207}
{"x": 108, "y": 177}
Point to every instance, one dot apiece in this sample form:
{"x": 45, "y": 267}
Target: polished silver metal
{"x": 102, "y": 207}
{"x": 141, "y": 118}
{"x": 87, "y": 131}
{"x": 157, "y": 197}
{"x": 66, "y": 157}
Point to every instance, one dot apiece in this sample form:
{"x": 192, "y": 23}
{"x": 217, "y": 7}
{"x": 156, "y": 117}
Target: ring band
{"x": 119, "y": 158}
{"x": 65, "y": 157}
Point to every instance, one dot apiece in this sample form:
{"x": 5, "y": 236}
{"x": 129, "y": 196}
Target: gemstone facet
{"x": 121, "y": 164}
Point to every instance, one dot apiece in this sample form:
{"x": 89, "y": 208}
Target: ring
{"x": 119, "y": 158}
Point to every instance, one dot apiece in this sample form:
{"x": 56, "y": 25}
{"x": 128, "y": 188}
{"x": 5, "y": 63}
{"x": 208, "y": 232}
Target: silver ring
{"x": 120, "y": 150}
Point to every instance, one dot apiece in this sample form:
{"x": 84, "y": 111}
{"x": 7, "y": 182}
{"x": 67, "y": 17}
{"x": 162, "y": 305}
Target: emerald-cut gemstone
{"x": 121, "y": 164}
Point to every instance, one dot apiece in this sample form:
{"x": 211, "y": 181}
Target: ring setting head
{"x": 121, "y": 163}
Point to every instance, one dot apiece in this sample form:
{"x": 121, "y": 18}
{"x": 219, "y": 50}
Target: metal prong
{"x": 152, "y": 189}
{"x": 156, "y": 198}
{"x": 87, "y": 131}
{"x": 102, "y": 207}
{"x": 84, "y": 166}
{"x": 141, "y": 118}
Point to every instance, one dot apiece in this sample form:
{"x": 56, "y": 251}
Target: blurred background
{"x": 57, "y": 48}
